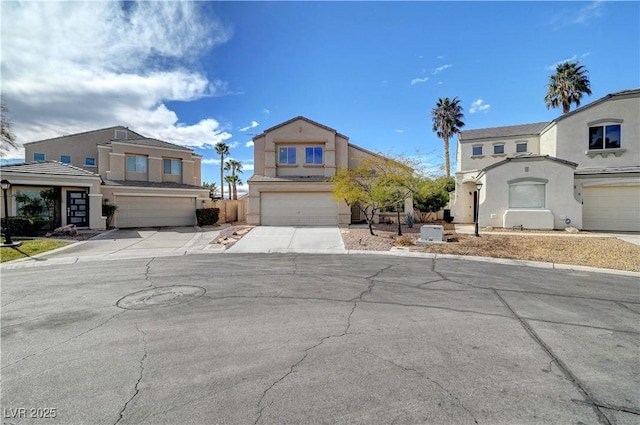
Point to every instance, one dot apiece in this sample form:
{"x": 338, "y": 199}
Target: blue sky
{"x": 203, "y": 72}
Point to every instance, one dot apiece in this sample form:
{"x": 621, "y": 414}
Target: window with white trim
{"x": 121, "y": 134}
{"x": 287, "y": 155}
{"x": 172, "y": 166}
{"x": 136, "y": 163}
{"x": 65, "y": 159}
{"x": 89, "y": 162}
{"x": 604, "y": 136}
{"x": 38, "y": 157}
{"x": 527, "y": 195}
{"x": 521, "y": 147}
{"x": 313, "y": 155}
{"x": 477, "y": 151}
{"x": 498, "y": 149}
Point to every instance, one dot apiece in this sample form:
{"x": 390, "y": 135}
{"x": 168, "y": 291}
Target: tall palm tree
{"x": 447, "y": 121}
{"x": 235, "y": 167}
{"x": 234, "y": 181}
{"x": 567, "y": 86}
{"x": 229, "y": 179}
{"x": 222, "y": 149}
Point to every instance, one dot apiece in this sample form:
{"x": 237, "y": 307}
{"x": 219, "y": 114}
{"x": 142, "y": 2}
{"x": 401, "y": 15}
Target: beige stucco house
{"x": 293, "y": 164}
{"x": 581, "y": 169}
{"x": 153, "y": 182}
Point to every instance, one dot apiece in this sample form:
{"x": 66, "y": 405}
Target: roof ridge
{"x": 83, "y": 132}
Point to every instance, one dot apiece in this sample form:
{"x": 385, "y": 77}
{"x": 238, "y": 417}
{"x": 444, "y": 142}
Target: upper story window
{"x": 498, "y": 149}
{"x": 527, "y": 195}
{"x": 121, "y": 134}
{"x": 287, "y": 155}
{"x": 38, "y": 157}
{"x": 313, "y": 155}
{"x": 137, "y": 163}
{"x": 90, "y": 162}
{"x": 604, "y": 136}
{"x": 521, "y": 147}
{"x": 65, "y": 159}
{"x": 477, "y": 151}
{"x": 172, "y": 166}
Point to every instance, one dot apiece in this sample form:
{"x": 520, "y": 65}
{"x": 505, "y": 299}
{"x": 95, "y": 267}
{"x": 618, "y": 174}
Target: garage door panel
{"x": 614, "y": 208}
{"x": 298, "y": 209}
{"x": 154, "y": 211}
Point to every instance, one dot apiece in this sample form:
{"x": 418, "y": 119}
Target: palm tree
{"x": 234, "y": 181}
{"x": 8, "y": 140}
{"x": 222, "y": 149}
{"x": 447, "y": 121}
{"x": 567, "y": 85}
{"x": 235, "y": 167}
{"x": 229, "y": 179}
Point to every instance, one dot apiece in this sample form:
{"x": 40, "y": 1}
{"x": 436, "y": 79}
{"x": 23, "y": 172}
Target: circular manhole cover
{"x": 160, "y": 297}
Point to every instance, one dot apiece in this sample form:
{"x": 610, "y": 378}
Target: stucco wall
{"x": 572, "y": 137}
{"x": 560, "y": 201}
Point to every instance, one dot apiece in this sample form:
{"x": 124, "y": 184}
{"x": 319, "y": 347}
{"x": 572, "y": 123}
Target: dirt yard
{"x": 557, "y": 247}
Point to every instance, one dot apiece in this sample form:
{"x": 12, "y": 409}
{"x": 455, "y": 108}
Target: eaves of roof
{"x": 620, "y": 94}
{"x": 50, "y": 167}
{"x": 529, "y": 158}
{"x": 144, "y": 141}
{"x": 317, "y": 124}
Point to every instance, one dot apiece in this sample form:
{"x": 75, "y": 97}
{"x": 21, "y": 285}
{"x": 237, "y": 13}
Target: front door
{"x": 77, "y": 208}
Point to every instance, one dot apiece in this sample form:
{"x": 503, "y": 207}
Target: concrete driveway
{"x": 283, "y": 239}
{"x": 295, "y": 338}
{"x": 132, "y": 243}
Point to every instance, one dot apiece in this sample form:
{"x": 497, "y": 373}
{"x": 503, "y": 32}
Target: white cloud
{"x": 419, "y": 80}
{"x": 589, "y": 12}
{"x": 440, "y": 56}
{"x": 441, "y": 68}
{"x": 212, "y": 161}
{"x": 571, "y": 59}
{"x": 249, "y": 144}
{"x": 479, "y": 106}
{"x": 253, "y": 124}
{"x": 266, "y": 111}
{"x": 69, "y": 67}
{"x": 399, "y": 131}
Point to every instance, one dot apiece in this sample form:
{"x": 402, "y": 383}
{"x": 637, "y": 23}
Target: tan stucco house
{"x": 153, "y": 182}
{"x": 581, "y": 169}
{"x": 293, "y": 164}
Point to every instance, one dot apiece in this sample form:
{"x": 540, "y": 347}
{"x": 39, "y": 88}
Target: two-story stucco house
{"x": 581, "y": 169}
{"x": 293, "y": 164}
{"x": 153, "y": 182}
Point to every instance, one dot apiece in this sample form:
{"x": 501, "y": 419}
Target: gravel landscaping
{"x": 560, "y": 248}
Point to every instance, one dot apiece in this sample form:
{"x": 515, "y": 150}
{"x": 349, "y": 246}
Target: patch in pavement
{"x": 163, "y": 296}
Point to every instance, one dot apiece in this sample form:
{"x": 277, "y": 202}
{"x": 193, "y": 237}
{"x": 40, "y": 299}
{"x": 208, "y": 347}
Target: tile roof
{"x": 529, "y": 157}
{"x": 144, "y": 141}
{"x": 50, "y": 167}
{"x": 115, "y": 127}
{"x": 506, "y": 131}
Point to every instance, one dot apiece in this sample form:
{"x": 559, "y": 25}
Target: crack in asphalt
{"x": 136, "y": 387}
{"x": 423, "y": 375}
{"x": 146, "y": 273}
{"x": 624, "y": 409}
{"x": 601, "y": 328}
{"x": 322, "y": 340}
{"x": 63, "y": 342}
{"x": 602, "y": 418}
{"x": 626, "y": 307}
{"x": 18, "y": 299}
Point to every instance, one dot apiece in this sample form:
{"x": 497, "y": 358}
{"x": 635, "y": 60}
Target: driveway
{"x": 131, "y": 243}
{"x": 296, "y": 338}
{"x": 283, "y": 239}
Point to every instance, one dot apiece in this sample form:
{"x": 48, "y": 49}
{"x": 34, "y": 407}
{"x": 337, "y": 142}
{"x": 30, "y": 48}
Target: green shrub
{"x": 26, "y": 226}
{"x": 410, "y": 219}
{"x": 109, "y": 210}
{"x": 207, "y": 216}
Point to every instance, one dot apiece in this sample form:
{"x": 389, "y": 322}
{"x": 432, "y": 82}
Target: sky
{"x": 199, "y": 73}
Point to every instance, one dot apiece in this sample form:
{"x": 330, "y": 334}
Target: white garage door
{"x": 298, "y": 209}
{"x": 154, "y": 211}
{"x": 614, "y": 208}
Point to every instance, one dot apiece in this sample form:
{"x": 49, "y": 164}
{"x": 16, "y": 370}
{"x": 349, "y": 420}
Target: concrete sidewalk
{"x": 631, "y": 237}
{"x": 282, "y": 239}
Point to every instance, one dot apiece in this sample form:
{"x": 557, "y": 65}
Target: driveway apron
{"x": 266, "y": 239}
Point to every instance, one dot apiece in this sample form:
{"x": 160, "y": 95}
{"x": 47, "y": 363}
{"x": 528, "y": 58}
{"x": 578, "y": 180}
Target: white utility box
{"x": 431, "y": 234}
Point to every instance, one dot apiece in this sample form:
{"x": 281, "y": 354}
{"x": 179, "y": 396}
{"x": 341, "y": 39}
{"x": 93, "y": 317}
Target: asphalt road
{"x": 285, "y": 338}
